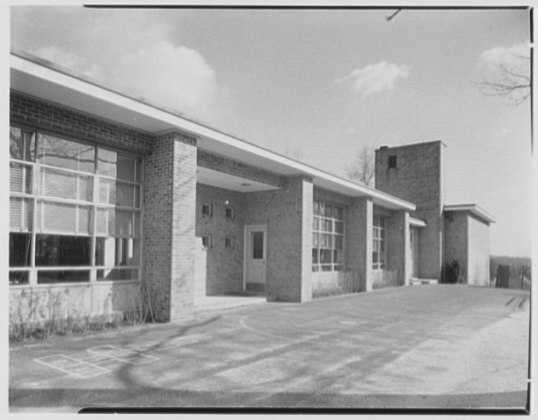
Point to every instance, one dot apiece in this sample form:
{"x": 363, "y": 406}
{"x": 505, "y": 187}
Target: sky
{"x": 320, "y": 85}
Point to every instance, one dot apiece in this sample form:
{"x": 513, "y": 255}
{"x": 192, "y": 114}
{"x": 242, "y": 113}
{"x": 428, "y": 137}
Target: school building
{"x": 114, "y": 200}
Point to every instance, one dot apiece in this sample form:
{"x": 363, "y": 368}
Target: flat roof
{"x": 42, "y": 79}
{"x": 473, "y": 209}
{"x": 412, "y": 145}
{"x": 413, "y": 221}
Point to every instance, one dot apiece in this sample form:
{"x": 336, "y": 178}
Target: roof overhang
{"x": 473, "y": 209}
{"x": 416, "y": 222}
{"x": 41, "y": 79}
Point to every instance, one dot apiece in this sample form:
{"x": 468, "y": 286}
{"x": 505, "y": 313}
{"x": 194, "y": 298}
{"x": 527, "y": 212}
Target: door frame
{"x": 246, "y": 249}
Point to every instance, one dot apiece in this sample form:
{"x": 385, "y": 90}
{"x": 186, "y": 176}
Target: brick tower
{"x": 415, "y": 173}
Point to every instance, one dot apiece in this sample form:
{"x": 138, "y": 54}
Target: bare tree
{"x": 508, "y": 78}
{"x": 363, "y": 167}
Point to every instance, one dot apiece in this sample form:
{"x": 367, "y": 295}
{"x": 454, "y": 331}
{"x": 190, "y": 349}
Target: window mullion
{"x": 36, "y": 175}
{"x": 93, "y": 221}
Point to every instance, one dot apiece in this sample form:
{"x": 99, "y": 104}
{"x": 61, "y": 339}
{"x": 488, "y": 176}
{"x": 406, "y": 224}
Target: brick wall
{"x": 358, "y": 241}
{"x": 398, "y": 246}
{"x": 288, "y": 216}
{"x": 478, "y": 256}
{"x": 36, "y": 113}
{"x": 224, "y": 266}
{"x": 418, "y": 178}
{"x": 169, "y": 225}
{"x": 456, "y": 240}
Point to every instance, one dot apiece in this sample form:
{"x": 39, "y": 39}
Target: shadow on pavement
{"x": 124, "y": 373}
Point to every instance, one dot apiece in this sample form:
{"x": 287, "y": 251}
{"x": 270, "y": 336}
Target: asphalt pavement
{"x": 417, "y": 347}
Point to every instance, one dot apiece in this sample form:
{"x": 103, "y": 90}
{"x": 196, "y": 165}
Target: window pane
{"x": 338, "y": 256}
{"x": 101, "y": 221}
{"x": 315, "y": 256}
{"x": 325, "y": 256}
{"x": 338, "y": 242}
{"x": 326, "y": 268}
{"x": 315, "y": 223}
{"x": 326, "y": 225}
{"x": 339, "y": 227}
{"x": 118, "y": 193}
{"x": 62, "y": 250}
{"x": 123, "y": 223}
{"x": 20, "y": 249}
{"x": 316, "y": 208}
{"x": 322, "y": 209}
{"x": 117, "y": 251}
{"x": 63, "y": 276}
{"x": 325, "y": 240}
{"x": 105, "y": 251}
{"x": 118, "y": 274}
{"x": 116, "y": 165}
{"x": 61, "y": 184}
{"x": 20, "y": 178}
{"x": 21, "y": 144}
{"x": 18, "y": 277}
{"x": 60, "y": 217}
{"x": 65, "y": 153}
{"x": 315, "y": 240}
{"x": 20, "y": 214}
{"x": 257, "y": 245}
{"x": 339, "y": 213}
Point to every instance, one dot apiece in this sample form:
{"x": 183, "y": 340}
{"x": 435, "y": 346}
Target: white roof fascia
{"x": 417, "y": 222}
{"x": 170, "y": 120}
{"x": 473, "y": 209}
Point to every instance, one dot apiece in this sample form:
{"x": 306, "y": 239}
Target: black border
{"x": 322, "y": 410}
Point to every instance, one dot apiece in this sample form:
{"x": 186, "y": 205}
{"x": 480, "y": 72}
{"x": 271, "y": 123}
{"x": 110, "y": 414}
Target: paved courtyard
{"x": 413, "y": 347}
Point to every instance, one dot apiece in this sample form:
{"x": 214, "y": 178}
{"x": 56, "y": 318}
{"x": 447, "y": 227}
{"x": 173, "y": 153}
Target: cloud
{"x": 504, "y": 55}
{"x": 68, "y": 60}
{"x": 375, "y": 78}
{"x": 173, "y": 76}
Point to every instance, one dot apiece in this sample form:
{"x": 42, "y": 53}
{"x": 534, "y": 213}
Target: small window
{"x": 392, "y": 162}
{"x": 230, "y": 213}
{"x": 207, "y": 210}
{"x": 229, "y": 242}
{"x": 206, "y": 241}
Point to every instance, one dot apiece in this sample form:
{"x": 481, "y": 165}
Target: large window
{"x": 75, "y": 211}
{"x": 379, "y": 257}
{"x": 328, "y": 237}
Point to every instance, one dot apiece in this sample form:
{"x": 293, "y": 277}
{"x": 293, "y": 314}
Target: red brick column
{"x": 359, "y": 233}
{"x": 169, "y": 225}
{"x": 398, "y": 246}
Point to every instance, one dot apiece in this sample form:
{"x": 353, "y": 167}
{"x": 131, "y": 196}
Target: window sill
{"x": 81, "y": 284}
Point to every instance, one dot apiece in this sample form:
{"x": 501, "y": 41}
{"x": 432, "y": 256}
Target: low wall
{"x": 347, "y": 282}
{"x": 385, "y": 278}
{"x": 28, "y": 305}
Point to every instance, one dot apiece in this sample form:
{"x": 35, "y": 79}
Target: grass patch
{"x": 38, "y": 331}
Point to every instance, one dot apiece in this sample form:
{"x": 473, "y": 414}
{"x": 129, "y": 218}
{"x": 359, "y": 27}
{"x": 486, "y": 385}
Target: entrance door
{"x": 255, "y": 257}
{"x": 413, "y": 254}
